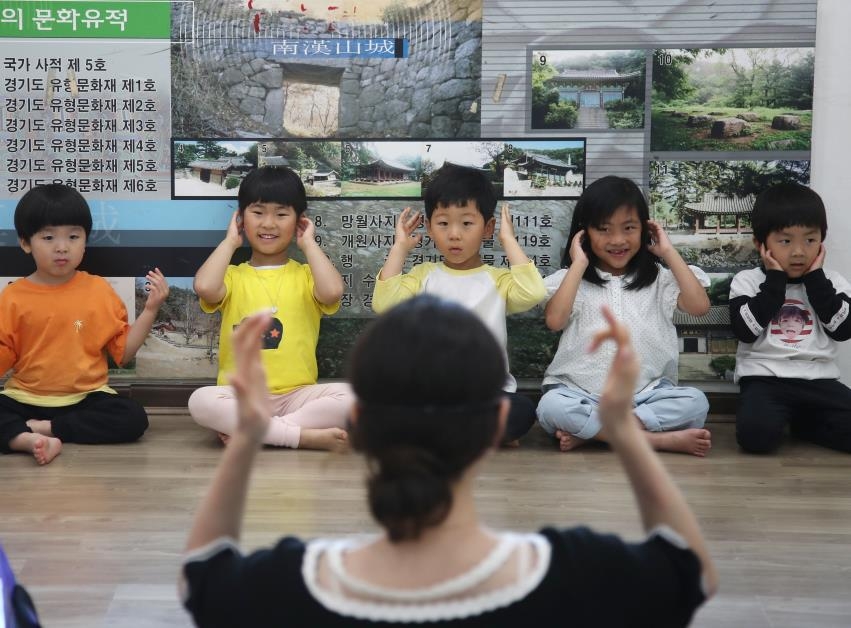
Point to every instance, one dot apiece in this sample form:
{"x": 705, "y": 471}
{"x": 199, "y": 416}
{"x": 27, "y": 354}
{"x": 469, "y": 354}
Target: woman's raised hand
{"x": 616, "y": 400}
{"x": 249, "y": 378}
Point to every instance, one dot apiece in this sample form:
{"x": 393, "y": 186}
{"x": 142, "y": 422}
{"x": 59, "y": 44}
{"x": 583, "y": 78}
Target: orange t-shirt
{"x": 54, "y": 338}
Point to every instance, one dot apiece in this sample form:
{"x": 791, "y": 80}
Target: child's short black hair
{"x": 273, "y": 184}
{"x": 595, "y": 206}
{"x": 425, "y": 413}
{"x": 457, "y": 185}
{"x": 787, "y": 205}
{"x": 51, "y": 205}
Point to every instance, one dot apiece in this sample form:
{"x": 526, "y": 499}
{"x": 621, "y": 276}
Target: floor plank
{"x": 97, "y": 535}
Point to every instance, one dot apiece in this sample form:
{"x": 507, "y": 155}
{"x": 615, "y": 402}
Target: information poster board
{"x": 156, "y": 110}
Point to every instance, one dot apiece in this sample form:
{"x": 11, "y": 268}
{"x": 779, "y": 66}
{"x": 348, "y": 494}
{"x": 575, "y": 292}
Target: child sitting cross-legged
{"x": 56, "y": 327}
{"x": 613, "y": 258}
{"x": 271, "y": 215}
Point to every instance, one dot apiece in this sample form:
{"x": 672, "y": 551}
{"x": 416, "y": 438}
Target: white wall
{"x": 831, "y": 174}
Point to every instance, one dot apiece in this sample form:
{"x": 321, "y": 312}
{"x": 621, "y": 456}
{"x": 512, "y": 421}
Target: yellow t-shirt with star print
{"x": 55, "y": 339}
{"x": 289, "y": 345}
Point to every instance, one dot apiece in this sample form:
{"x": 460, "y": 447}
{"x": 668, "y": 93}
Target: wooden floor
{"x": 97, "y": 535}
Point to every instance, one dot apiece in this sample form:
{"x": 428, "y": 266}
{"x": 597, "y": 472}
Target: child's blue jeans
{"x": 663, "y": 408}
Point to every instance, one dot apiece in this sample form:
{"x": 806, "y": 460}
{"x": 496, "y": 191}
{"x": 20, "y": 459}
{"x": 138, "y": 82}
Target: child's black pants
{"x": 99, "y": 418}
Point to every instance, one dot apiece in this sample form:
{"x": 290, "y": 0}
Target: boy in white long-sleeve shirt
{"x": 459, "y": 207}
{"x": 789, "y": 316}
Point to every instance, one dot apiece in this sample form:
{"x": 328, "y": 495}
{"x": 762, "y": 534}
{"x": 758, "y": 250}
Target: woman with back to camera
{"x": 435, "y": 563}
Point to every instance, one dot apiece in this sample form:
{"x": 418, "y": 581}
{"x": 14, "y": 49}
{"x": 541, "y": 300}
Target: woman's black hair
{"x": 51, "y": 205}
{"x": 595, "y": 206}
{"x": 428, "y": 377}
{"x": 273, "y": 184}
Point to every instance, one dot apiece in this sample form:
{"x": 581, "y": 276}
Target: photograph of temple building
{"x": 707, "y": 346}
{"x": 383, "y": 171}
{"x": 544, "y": 168}
{"x": 591, "y": 89}
{"x": 373, "y": 169}
{"x": 211, "y": 168}
{"x": 588, "y": 89}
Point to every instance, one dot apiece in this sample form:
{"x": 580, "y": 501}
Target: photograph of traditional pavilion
{"x": 588, "y": 89}
{"x": 381, "y": 169}
{"x": 720, "y": 213}
{"x": 211, "y": 168}
{"x": 742, "y": 99}
{"x": 705, "y": 206}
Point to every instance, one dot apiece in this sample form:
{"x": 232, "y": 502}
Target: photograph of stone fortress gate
{"x": 235, "y": 77}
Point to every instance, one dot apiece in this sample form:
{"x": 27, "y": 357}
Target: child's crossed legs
{"x": 673, "y": 417}
{"x": 310, "y": 417}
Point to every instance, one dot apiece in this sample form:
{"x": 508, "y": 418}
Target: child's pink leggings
{"x": 316, "y": 406}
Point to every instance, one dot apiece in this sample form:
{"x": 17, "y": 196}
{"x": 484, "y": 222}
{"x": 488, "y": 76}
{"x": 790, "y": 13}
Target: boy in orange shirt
{"x": 55, "y": 328}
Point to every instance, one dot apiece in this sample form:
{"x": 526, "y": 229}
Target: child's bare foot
{"x": 225, "y": 438}
{"x": 511, "y": 444}
{"x": 329, "y": 439}
{"x": 46, "y": 448}
{"x": 43, "y": 448}
{"x": 567, "y": 441}
{"x": 41, "y": 426}
{"x": 694, "y": 441}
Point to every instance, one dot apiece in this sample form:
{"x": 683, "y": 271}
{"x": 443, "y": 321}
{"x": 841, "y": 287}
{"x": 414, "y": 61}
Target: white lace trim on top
{"x": 420, "y": 605}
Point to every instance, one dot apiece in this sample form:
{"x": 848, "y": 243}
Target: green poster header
{"x": 86, "y": 20}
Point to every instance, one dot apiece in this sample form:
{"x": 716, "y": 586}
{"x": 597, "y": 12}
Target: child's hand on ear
{"x": 234, "y": 232}
{"x": 818, "y": 262}
{"x": 156, "y": 286}
{"x": 304, "y": 232}
{"x": 660, "y": 244}
{"x": 506, "y": 227}
{"x": 407, "y": 223}
{"x": 577, "y": 253}
{"x": 767, "y": 260}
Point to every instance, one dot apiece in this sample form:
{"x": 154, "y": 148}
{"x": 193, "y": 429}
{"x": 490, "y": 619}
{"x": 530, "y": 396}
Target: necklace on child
{"x": 273, "y": 304}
